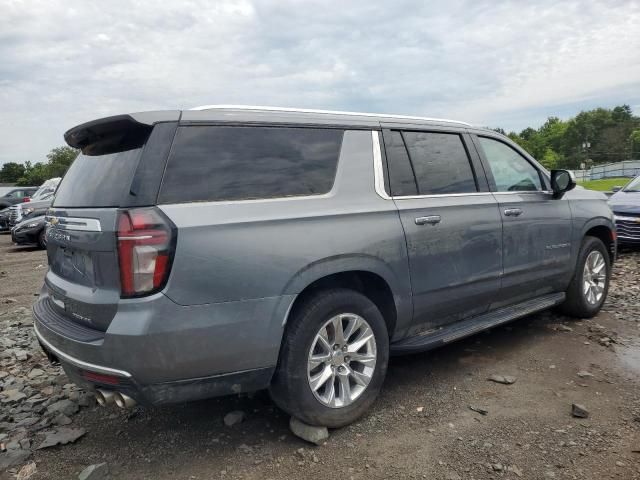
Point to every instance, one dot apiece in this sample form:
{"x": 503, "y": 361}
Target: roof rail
{"x": 326, "y": 112}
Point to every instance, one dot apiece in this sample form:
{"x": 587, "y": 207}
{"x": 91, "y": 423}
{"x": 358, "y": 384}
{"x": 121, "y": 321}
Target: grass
{"x": 605, "y": 184}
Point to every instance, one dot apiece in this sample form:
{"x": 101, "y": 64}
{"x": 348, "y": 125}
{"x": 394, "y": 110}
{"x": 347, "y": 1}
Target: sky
{"x": 491, "y": 63}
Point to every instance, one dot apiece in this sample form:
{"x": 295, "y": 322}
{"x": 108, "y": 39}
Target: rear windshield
{"x": 214, "y": 163}
{"x": 98, "y": 181}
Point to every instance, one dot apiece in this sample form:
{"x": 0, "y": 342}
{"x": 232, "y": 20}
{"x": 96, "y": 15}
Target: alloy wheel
{"x": 342, "y": 360}
{"x": 594, "y": 277}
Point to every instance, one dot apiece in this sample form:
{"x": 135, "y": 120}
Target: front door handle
{"x": 430, "y": 220}
{"x": 513, "y": 212}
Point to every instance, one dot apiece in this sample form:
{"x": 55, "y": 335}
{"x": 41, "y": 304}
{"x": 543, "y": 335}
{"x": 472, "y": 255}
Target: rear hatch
{"x": 83, "y": 281}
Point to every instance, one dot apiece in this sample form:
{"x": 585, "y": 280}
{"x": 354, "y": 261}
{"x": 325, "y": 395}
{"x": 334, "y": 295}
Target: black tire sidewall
{"x": 291, "y": 379}
{"x": 42, "y": 239}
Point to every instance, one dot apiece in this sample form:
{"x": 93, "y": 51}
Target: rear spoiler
{"x": 117, "y": 133}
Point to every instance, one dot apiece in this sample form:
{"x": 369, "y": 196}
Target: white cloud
{"x": 507, "y": 64}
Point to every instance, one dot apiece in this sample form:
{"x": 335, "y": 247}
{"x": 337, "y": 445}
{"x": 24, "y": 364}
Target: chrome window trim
{"x": 325, "y": 112}
{"x": 521, "y": 192}
{"x": 381, "y": 191}
{"x": 79, "y": 363}
{"x": 377, "y": 166}
{"x": 74, "y": 223}
{"x": 442, "y": 195}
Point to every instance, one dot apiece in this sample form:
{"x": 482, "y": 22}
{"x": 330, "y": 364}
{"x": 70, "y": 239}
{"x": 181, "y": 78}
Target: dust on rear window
{"x": 98, "y": 181}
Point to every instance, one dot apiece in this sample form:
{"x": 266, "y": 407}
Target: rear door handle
{"x": 430, "y": 220}
{"x": 513, "y": 212}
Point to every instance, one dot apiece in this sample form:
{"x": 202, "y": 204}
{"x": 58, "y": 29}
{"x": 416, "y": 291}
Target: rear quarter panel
{"x": 230, "y": 251}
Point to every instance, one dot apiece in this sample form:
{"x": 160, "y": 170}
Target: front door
{"x": 451, "y": 223}
{"x": 536, "y": 227}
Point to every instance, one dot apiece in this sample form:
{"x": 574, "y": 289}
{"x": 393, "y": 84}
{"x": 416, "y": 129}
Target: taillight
{"x": 26, "y": 199}
{"x": 146, "y": 241}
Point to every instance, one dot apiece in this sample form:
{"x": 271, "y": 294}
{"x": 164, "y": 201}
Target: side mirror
{"x": 561, "y": 182}
{"x": 617, "y": 188}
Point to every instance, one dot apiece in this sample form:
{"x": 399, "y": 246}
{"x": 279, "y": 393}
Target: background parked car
{"x": 16, "y": 195}
{"x": 38, "y": 204}
{"x": 31, "y": 231}
{"x": 625, "y": 203}
{"x": 4, "y": 219}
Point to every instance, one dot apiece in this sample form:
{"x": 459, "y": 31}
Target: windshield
{"x": 633, "y": 186}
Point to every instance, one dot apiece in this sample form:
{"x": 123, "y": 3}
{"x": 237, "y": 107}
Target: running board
{"x": 442, "y": 336}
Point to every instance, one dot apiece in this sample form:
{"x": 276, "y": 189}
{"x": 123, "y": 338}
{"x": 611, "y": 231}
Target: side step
{"x": 442, "y": 336}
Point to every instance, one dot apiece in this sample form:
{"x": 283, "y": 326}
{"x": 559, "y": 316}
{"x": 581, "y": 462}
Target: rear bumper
{"x": 168, "y": 353}
{"x": 91, "y": 376}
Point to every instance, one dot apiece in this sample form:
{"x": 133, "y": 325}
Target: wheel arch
{"x": 604, "y": 230}
{"x": 366, "y": 274}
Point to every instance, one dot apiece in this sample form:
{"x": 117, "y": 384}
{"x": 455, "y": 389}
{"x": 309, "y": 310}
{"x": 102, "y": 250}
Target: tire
{"x": 579, "y": 302}
{"x": 291, "y": 387}
{"x": 42, "y": 239}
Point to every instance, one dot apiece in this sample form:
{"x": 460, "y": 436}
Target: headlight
{"x": 32, "y": 225}
{"x": 27, "y": 211}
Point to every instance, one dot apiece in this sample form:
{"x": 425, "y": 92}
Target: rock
{"x": 12, "y": 396}
{"x": 9, "y": 300}
{"x": 584, "y": 374}
{"x": 316, "y": 435}
{"x": 36, "y": 372}
{"x": 516, "y": 470}
{"x": 579, "y": 411}
{"x": 21, "y": 355}
{"x": 233, "y": 418}
{"x": 479, "y": 410}
{"x": 452, "y": 476}
{"x": 504, "y": 379}
{"x": 99, "y": 471}
{"x": 12, "y": 458}
{"x": 27, "y": 471}
{"x": 62, "y": 437}
{"x": 62, "y": 419}
{"x": 66, "y": 407}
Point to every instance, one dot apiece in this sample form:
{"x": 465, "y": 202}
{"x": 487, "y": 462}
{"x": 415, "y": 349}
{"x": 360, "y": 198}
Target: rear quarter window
{"x": 218, "y": 163}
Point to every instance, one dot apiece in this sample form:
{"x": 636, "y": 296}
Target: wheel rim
{"x": 594, "y": 278}
{"x": 341, "y": 361}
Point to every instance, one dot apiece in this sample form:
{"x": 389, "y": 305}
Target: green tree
{"x": 60, "y": 159}
{"x": 11, "y": 172}
{"x": 551, "y": 159}
{"x": 634, "y": 139}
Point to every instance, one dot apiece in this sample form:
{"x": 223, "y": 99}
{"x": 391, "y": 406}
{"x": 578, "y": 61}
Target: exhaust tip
{"x": 124, "y": 401}
{"x": 104, "y": 397}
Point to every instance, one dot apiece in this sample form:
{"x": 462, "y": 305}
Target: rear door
{"x": 536, "y": 227}
{"x": 451, "y": 222}
{"x": 83, "y": 278}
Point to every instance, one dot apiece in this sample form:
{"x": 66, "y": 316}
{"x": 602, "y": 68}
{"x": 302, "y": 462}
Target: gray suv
{"x": 229, "y": 249}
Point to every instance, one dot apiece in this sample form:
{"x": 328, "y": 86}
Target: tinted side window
{"x": 440, "y": 162}
{"x": 511, "y": 171}
{"x": 213, "y": 163}
{"x": 402, "y": 181}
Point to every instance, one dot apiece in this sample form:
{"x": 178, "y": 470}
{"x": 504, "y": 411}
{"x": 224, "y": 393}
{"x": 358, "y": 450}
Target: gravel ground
{"x": 438, "y": 417}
